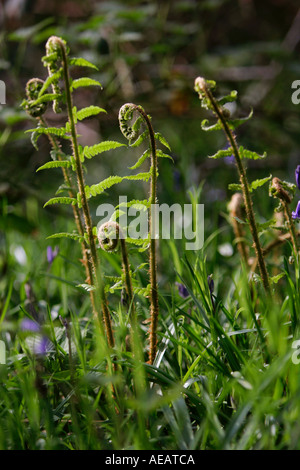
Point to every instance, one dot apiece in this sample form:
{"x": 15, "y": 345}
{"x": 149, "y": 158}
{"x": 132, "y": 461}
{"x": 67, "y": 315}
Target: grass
{"x": 223, "y": 378}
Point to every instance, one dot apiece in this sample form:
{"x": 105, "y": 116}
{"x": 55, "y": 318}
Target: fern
{"x": 59, "y": 132}
{"x": 55, "y": 164}
{"x": 85, "y": 113}
{"x": 99, "y": 188}
{"x": 92, "y": 151}
{"x": 72, "y": 236}
{"x": 131, "y": 120}
{"x": 205, "y": 88}
{"x": 84, "y": 82}
{"x": 80, "y": 62}
{"x": 61, "y": 200}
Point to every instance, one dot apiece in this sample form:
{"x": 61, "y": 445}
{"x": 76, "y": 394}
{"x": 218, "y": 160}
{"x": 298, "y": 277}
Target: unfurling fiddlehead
{"x": 52, "y": 61}
{"x": 33, "y": 108}
{"x": 56, "y": 60}
{"x": 132, "y": 132}
{"x": 110, "y": 238}
{"x": 208, "y": 101}
{"x": 36, "y": 107}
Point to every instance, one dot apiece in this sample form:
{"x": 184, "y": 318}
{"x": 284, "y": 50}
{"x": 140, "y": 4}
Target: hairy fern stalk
{"x": 131, "y": 130}
{"x": 228, "y": 125}
{"x": 58, "y": 63}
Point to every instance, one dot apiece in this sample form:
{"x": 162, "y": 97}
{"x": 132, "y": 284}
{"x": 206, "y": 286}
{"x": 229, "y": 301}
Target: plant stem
{"x": 291, "y": 225}
{"x": 76, "y": 211}
{"x": 154, "y": 307}
{"x": 244, "y": 182}
{"x": 85, "y": 207}
{"x": 126, "y": 270}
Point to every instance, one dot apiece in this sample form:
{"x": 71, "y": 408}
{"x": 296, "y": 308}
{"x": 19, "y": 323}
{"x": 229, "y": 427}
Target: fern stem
{"x": 154, "y": 308}
{"x": 278, "y": 191}
{"x": 127, "y": 276}
{"x": 243, "y": 179}
{"x": 84, "y": 203}
{"x": 131, "y": 133}
{"x": 76, "y": 213}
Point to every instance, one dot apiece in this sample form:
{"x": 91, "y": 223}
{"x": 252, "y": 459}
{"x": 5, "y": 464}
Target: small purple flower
{"x": 30, "y": 325}
{"x": 183, "y": 292}
{"x": 296, "y": 213}
{"x": 297, "y": 176}
{"x": 229, "y": 160}
{"x": 51, "y": 254}
{"x": 42, "y": 346}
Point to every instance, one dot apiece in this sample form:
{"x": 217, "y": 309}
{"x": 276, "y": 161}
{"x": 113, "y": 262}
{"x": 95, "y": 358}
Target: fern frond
{"x": 50, "y": 80}
{"x": 80, "y": 62}
{"x": 85, "y": 113}
{"x": 99, "y": 188}
{"x": 162, "y": 140}
{"x": 141, "y": 160}
{"x": 55, "y": 164}
{"x": 59, "y": 132}
{"x": 84, "y": 82}
{"x": 73, "y": 236}
{"x": 161, "y": 154}
{"x": 61, "y": 200}
{"x": 92, "y": 151}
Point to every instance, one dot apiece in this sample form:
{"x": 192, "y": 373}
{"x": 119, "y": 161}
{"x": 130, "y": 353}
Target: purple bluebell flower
{"x": 229, "y": 160}
{"x": 297, "y": 176}
{"x": 296, "y": 213}
{"x": 30, "y": 325}
{"x": 42, "y": 346}
{"x": 51, "y": 254}
{"x": 183, "y": 292}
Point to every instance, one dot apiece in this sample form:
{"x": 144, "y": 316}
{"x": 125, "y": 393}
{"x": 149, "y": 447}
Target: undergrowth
{"x": 103, "y": 350}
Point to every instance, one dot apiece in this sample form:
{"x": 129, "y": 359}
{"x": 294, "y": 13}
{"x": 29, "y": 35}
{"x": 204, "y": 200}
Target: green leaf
{"x": 222, "y": 153}
{"x": 258, "y": 183}
{"x": 99, "y": 188}
{"x": 61, "y": 200}
{"x": 84, "y": 82}
{"x": 213, "y": 127}
{"x": 162, "y": 140}
{"x": 55, "y": 164}
{"x": 73, "y": 236}
{"x": 161, "y": 154}
{"x": 44, "y": 99}
{"x": 50, "y": 79}
{"x": 250, "y": 154}
{"x": 89, "y": 111}
{"x": 92, "y": 151}
{"x": 140, "y": 139}
{"x": 141, "y": 160}
{"x": 142, "y": 291}
{"x": 59, "y": 132}
{"x": 80, "y": 62}
{"x": 234, "y": 187}
{"x": 275, "y": 279}
{"x": 228, "y": 98}
{"x": 234, "y": 123}
{"x": 265, "y": 225}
